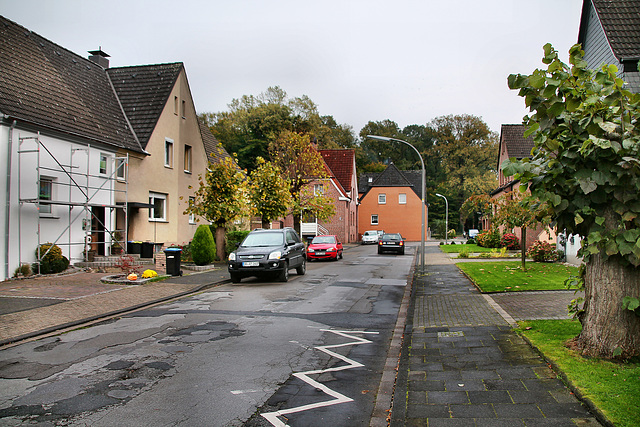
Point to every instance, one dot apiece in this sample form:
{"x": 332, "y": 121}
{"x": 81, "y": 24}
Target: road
{"x": 259, "y": 353}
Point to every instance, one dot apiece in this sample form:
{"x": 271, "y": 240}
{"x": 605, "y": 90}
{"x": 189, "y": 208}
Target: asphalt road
{"x": 258, "y": 353}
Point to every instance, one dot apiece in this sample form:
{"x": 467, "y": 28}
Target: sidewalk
{"x": 462, "y": 364}
{"x": 60, "y": 302}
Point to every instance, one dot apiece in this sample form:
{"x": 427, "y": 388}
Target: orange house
{"x": 391, "y": 201}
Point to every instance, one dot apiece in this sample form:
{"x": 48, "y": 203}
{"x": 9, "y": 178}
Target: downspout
{"x": 8, "y": 206}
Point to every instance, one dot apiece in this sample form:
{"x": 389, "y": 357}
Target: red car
{"x": 324, "y": 247}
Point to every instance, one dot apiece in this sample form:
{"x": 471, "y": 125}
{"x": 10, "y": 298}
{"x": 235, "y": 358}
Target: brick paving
{"x": 463, "y": 365}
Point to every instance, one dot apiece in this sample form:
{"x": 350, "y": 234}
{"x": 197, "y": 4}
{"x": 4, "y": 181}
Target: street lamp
{"x": 387, "y": 139}
{"x": 446, "y": 220}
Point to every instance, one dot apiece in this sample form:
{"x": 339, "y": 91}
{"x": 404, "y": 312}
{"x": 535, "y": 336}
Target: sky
{"x": 357, "y": 60}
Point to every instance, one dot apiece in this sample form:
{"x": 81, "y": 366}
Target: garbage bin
{"x": 146, "y": 250}
{"x": 173, "y": 261}
{"x": 133, "y": 247}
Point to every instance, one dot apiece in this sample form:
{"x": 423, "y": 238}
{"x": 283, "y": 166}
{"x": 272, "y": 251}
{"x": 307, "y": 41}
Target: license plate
{"x": 250, "y": 264}
{"x": 319, "y": 253}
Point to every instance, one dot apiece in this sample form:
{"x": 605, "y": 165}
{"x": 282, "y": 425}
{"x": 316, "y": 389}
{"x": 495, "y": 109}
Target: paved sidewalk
{"x": 463, "y": 365}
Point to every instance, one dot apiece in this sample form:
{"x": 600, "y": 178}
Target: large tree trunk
{"x": 296, "y": 223}
{"x": 266, "y": 224}
{"x": 523, "y": 247}
{"x": 220, "y": 243}
{"x": 608, "y": 330}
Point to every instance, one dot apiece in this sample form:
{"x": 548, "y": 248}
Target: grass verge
{"x": 448, "y": 249}
{"x": 507, "y": 276}
{"x": 611, "y": 387}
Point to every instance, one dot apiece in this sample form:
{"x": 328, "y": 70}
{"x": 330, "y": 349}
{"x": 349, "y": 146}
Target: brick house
{"x": 391, "y": 201}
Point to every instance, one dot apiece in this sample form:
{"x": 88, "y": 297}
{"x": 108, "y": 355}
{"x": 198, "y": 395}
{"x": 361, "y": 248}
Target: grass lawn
{"x": 612, "y": 387}
{"x": 448, "y": 249}
{"x": 506, "y": 276}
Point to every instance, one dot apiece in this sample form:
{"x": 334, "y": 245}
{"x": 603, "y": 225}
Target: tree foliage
{"x": 586, "y": 168}
{"x": 268, "y": 192}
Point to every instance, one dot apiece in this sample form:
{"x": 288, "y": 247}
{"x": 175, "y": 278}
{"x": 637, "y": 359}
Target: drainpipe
{"x": 8, "y": 206}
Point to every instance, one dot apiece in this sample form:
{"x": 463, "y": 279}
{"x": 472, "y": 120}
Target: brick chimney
{"x": 99, "y": 57}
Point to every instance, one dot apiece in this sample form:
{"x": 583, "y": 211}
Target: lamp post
{"x": 388, "y": 139}
{"x": 446, "y": 218}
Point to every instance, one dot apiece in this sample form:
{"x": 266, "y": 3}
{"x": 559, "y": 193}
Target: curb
{"x": 79, "y": 322}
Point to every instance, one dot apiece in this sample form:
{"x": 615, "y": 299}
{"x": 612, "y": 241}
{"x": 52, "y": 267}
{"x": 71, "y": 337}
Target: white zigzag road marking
{"x": 272, "y": 417}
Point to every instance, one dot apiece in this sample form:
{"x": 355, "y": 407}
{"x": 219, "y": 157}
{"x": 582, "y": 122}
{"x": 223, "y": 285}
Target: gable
{"x": 390, "y": 177}
{"x": 48, "y": 86}
{"x": 341, "y": 163}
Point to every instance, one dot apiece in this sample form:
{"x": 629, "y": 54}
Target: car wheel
{"x": 402, "y": 252}
{"x": 284, "y": 274}
{"x": 302, "y": 269}
{"x": 340, "y": 255}
{"x": 235, "y": 278}
{"x": 379, "y": 252}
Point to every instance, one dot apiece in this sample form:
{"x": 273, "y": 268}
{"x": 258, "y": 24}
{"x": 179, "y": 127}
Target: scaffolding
{"x": 67, "y": 183}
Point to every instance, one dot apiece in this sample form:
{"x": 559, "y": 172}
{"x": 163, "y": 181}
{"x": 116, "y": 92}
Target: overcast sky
{"x": 358, "y": 60}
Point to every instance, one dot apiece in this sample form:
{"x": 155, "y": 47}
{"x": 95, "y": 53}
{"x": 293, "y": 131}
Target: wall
{"x": 393, "y": 217}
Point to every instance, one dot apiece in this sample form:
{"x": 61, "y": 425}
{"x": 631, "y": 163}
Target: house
{"x": 391, "y": 201}
{"x": 513, "y": 144}
{"x": 94, "y": 155}
{"x": 610, "y": 34}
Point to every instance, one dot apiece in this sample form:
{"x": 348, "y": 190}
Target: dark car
{"x": 266, "y": 253}
{"x": 324, "y": 247}
{"x": 391, "y": 242}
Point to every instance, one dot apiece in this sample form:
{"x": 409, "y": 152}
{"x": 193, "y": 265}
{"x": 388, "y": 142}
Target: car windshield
{"x": 370, "y": 233}
{"x": 263, "y": 239}
{"x": 392, "y": 237}
{"x": 323, "y": 239}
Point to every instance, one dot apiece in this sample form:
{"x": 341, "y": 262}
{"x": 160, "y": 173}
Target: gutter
{"x": 8, "y": 203}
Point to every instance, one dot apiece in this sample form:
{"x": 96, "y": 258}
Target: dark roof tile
{"x": 621, "y": 22}
{"x": 213, "y": 148}
{"x": 341, "y": 163}
{"x": 512, "y": 137}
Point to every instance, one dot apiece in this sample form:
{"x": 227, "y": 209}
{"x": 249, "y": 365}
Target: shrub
{"x": 127, "y": 264}
{"x": 471, "y": 241}
{"x": 50, "y": 262}
{"x": 441, "y": 243}
{"x": 234, "y": 238}
{"x": 464, "y": 253}
{"x": 542, "y": 252}
{"x": 510, "y": 241}
{"x": 452, "y": 233}
{"x": 24, "y": 270}
{"x": 203, "y": 247}
{"x": 489, "y": 239}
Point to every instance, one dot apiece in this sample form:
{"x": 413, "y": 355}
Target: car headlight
{"x": 275, "y": 255}
{"x": 310, "y": 250}
{"x": 331, "y": 250}
{"x": 232, "y": 256}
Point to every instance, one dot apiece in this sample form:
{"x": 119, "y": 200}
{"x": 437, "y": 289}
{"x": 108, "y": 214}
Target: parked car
{"x": 268, "y": 253}
{"x": 370, "y": 237}
{"x": 391, "y": 242}
{"x": 473, "y": 233}
{"x": 325, "y": 247}
{"x": 380, "y": 233}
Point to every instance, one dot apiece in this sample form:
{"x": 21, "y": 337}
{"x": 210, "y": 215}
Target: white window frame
{"x": 168, "y": 153}
{"x": 121, "y": 168}
{"x": 46, "y": 209}
{"x": 192, "y": 217}
{"x": 318, "y": 189}
{"x": 188, "y": 158}
{"x": 103, "y": 170}
{"x": 402, "y": 198}
{"x": 382, "y": 199}
{"x": 153, "y": 216}
{"x": 374, "y": 219}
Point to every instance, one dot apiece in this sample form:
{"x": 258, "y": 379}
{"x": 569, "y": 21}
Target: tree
{"x": 269, "y": 192}
{"x": 301, "y": 165}
{"x": 220, "y": 198}
{"x": 586, "y": 167}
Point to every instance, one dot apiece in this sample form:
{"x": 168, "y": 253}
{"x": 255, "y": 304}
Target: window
{"x": 374, "y": 219}
{"x": 382, "y": 199}
{"x": 187, "y": 158}
{"x": 402, "y": 198}
{"x": 103, "y": 164}
{"x": 159, "y": 202}
{"x": 168, "y": 153}
{"x": 192, "y": 217}
{"x": 184, "y": 109}
{"x": 46, "y": 193}
{"x": 318, "y": 189}
{"x": 175, "y": 105}
{"x": 121, "y": 168}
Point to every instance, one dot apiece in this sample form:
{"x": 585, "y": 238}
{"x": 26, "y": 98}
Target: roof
{"x": 143, "y": 91}
{"x": 391, "y": 177}
{"x": 342, "y": 164}
{"x": 212, "y": 147}
{"x": 512, "y": 137}
{"x": 49, "y": 86}
{"x": 620, "y": 21}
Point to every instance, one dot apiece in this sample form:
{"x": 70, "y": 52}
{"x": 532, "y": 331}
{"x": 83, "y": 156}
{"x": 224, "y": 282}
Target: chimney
{"x": 99, "y": 57}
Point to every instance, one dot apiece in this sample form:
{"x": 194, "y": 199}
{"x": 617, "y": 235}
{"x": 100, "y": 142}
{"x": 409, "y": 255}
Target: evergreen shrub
{"x": 203, "y": 247}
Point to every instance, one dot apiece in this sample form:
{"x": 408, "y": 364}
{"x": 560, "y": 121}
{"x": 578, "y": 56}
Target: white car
{"x": 370, "y": 237}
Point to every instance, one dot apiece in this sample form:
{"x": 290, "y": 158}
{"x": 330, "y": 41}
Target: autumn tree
{"x": 220, "y": 198}
{"x": 268, "y": 192}
{"x": 586, "y": 167}
{"x": 301, "y": 165}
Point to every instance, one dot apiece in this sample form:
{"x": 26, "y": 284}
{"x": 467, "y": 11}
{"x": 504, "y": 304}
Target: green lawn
{"x": 506, "y": 276}
{"x": 612, "y": 387}
{"x": 448, "y": 249}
